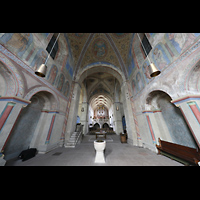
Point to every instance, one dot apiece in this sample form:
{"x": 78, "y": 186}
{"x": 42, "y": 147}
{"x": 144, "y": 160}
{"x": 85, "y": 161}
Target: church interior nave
{"x": 58, "y": 91}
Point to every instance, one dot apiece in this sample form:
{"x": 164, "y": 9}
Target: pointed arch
{"x": 118, "y": 55}
{"x": 82, "y": 54}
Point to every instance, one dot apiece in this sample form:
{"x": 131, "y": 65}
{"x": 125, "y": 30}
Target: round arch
{"x": 11, "y": 77}
{"x": 8, "y": 84}
{"x": 55, "y": 103}
{"x": 192, "y": 79}
{"x": 152, "y": 97}
{"x": 100, "y": 67}
{"x": 170, "y": 121}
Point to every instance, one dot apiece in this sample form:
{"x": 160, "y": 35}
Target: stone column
{"x": 128, "y": 112}
{"x": 84, "y": 117}
{"x": 117, "y": 120}
{"x": 72, "y": 117}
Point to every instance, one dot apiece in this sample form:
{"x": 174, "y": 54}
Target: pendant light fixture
{"x": 153, "y": 70}
{"x": 41, "y": 71}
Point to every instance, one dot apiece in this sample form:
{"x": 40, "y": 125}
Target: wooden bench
{"x": 188, "y": 154}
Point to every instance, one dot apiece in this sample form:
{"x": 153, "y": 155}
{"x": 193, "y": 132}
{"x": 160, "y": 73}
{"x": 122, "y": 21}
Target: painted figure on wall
{"x": 39, "y": 59}
{"x": 19, "y": 42}
{"x": 139, "y": 81}
{"x": 160, "y": 57}
{"x": 134, "y": 89}
{"x": 61, "y": 82}
{"x": 99, "y": 48}
{"x": 66, "y": 88}
{"x": 52, "y": 74}
{"x": 181, "y": 40}
{"x": 146, "y": 71}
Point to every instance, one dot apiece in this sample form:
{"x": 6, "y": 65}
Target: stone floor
{"x": 116, "y": 154}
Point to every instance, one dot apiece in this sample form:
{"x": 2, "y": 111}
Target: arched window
{"x": 50, "y": 45}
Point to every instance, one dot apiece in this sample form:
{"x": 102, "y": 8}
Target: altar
{"x": 103, "y": 133}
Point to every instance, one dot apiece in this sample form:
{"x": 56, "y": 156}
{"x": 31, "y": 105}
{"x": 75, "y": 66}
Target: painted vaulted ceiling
{"x": 103, "y": 48}
{"x": 75, "y": 54}
{"x": 88, "y": 48}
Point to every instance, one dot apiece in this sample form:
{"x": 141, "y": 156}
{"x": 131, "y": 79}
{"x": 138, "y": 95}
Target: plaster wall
{"x": 20, "y": 56}
{"x": 177, "y": 56}
{"x": 177, "y": 65}
{"x": 177, "y": 126}
{"x": 22, "y": 133}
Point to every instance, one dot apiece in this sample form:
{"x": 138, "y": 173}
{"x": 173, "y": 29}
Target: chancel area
{"x": 100, "y": 98}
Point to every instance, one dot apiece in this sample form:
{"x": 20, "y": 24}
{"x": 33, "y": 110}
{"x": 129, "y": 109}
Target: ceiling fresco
{"x": 90, "y": 48}
{"x": 103, "y": 48}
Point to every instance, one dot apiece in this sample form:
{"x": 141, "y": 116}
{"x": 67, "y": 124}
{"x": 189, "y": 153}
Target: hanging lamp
{"x": 41, "y": 71}
{"x": 153, "y": 70}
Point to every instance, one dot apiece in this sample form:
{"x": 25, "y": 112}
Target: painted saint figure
{"x": 182, "y": 39}
{"x": 52, "y": 74}
{"x": 158, "y": 55}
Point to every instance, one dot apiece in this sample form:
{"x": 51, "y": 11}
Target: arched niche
{"x": 167, "y": 113}
{"x": 193, "y": 79}
{"x": 30, "y": 125}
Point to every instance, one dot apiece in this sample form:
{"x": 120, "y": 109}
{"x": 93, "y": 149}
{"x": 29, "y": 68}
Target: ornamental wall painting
{"x": 179, "y": 42}
{"x": 100, "y": 48}
{"x": 17, "y": 42}
{"x": 134, "y": 89}
{"x": 61, "y": 82}
{"x": 39, "y": 59}
{"x": 52, "y": 74}
{"x": 160, "y": 56}
{"x": 139, "y": 81}
{"x": 66, "y": 88}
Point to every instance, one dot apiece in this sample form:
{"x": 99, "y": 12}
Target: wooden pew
{"x": 186, "y": 153}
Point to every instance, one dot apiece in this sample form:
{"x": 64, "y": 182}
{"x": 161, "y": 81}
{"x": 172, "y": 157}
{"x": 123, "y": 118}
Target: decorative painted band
{"x": 50, "y": 111}
{"x": 50, "y": 129}
{"x": 151, "y": 129}
{"x": 5, "y": 114}
{"x": 147, "y": 111}
{"x": 195, "y": 109}
{"x": 151, "y": 111}
{"x": 15, "y": 100}
{"x": 190, "y": 128}
{"x": 185, "y": 99}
